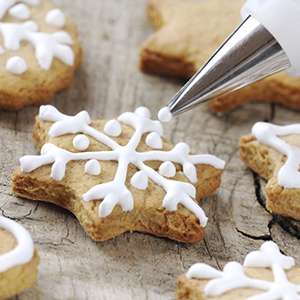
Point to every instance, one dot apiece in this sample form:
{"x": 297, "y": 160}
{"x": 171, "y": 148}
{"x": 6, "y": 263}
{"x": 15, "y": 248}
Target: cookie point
{"x": 165, "y": 115}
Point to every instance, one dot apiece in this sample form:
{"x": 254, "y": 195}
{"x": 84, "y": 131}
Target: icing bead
{"x": 143, "y": 112}
{"x": 165, "y": 115}
{"x": 140, "y": 180}
{"x": 23, "y": 252}
{"x": 113, "y": 128}
{"x": 167, "y": 169}
{"x": 56, "y": 17}
{"x": 154, "y": 140}
{"x": 20, "y": 11}
{"x": 16, "y": 65}
{"x": 116, "y": 192}
{"x": 81, "y": 142}
{"x": 92, "y": 167}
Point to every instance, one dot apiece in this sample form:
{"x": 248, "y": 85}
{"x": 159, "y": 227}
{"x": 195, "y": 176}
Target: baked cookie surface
{"x": 18, "y": 259}
{"x": 188, "y": 32}
{"x": 39, "y": 52}
{"x": 273, "y": 152}
{"x": 265, "y": 274}
{"x": 119, "y": 175}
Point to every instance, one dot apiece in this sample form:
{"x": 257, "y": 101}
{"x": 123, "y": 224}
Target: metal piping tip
{"x": 251, "y": 53}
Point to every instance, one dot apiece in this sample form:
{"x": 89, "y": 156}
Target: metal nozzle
{"x": 251, "y": 53}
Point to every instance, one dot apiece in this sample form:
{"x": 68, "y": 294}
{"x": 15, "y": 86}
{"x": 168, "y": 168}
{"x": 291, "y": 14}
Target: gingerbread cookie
{"x": 274, "y": 153}
{"x": 118, "y": 176}
{"x": 39, "y": 52}
{"x": 265, "y": 275}
{"x": 189, "y": 32}
{"x": 18, "y": 259}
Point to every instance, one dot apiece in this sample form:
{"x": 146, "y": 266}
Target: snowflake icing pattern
{"x": 116, "y": 192}
{"x": 233, "y": 276}
{"x": 47, "y": 45}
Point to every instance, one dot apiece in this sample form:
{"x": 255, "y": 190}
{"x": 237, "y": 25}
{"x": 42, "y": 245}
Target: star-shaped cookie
{"x": 187, "y": 34}
{"x": 273, "y": 152}
{"x": 118, "y": 176}
{"x": 39, "y": 52}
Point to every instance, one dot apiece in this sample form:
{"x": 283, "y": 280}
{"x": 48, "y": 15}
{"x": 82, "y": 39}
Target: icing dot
{"x": 92, "y": 167}
{"x": 81, "y": 142}
{"x": 154, "y": 140}
{"x": 167, "y": 169}
{"x": 143, "y": 112}
{"x": 139, "y": 180}
{"x": 20, "y": 11}
{"x": 56, "y": 17}
{"x": 165, "y": 115}
{"x": 16, "y": 65}
{"x": 113, "y": 128}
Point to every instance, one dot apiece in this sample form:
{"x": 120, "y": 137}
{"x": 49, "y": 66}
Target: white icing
{"x": 234, "y": 277}
{"x": 116, "y": 192}
{"x": 167, "y": 169}
{"x": 154, "y": 140}
{"x": 16, "y": 65}
{"x": 92, "y": 167}
{"x": 2, "y": 50}
{"x": 56, "y": 17}
{"x": 23, "y": 252}
{"x": 81, "y": 142}
{"x": 165, "y": 115}
{"x": 47, "y": 46}
{"x": 20, "y": 11}
{"x": 269, "y": 134}
{"x": 113, "y": 128}
{"x": 140, "y": 180}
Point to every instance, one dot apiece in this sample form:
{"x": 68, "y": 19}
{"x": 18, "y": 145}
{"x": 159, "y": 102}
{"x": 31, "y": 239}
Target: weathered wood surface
{"x": 137, "y": 266}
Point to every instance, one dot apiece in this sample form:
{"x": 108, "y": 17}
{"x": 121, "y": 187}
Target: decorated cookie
{"x": 18, "y": 259}
{"x": 39, "y": 52}
{"x": 274, "y": 153}
{"x": 266, "y": 274}
{"x": 119, "y": 175}
{"x": 188, "y": 32}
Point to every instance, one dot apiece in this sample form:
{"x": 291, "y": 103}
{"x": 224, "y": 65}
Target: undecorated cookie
{"x": 113, "y": 178}
{"x": 265, "y": 275}
{"x": 39, "y": 52}
{"x": 188, "y": 32}
{"x": 18, "y": 259}
{"x": 274, "y": 153}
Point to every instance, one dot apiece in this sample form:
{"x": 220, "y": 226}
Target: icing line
{"x": 24, "y": 250}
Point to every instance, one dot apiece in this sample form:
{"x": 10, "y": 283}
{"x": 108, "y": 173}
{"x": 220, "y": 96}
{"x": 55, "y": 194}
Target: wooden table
{"x": 137, "y": 266}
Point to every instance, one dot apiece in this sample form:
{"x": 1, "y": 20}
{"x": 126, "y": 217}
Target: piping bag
{"x": 267, "y": 42}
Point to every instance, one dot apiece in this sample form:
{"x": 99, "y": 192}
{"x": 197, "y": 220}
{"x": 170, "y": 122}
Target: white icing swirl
{"x": 16, "y": 65}
{"x": 233, "y": 276}
{"x": 116, "y": 192}
{"x": 47, "y": 46}
{"x": 24, "y": 250}
{"x": 270, "y": 135}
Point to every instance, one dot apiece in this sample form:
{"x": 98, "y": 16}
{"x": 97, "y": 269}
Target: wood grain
{"x": 137, "y": 266}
